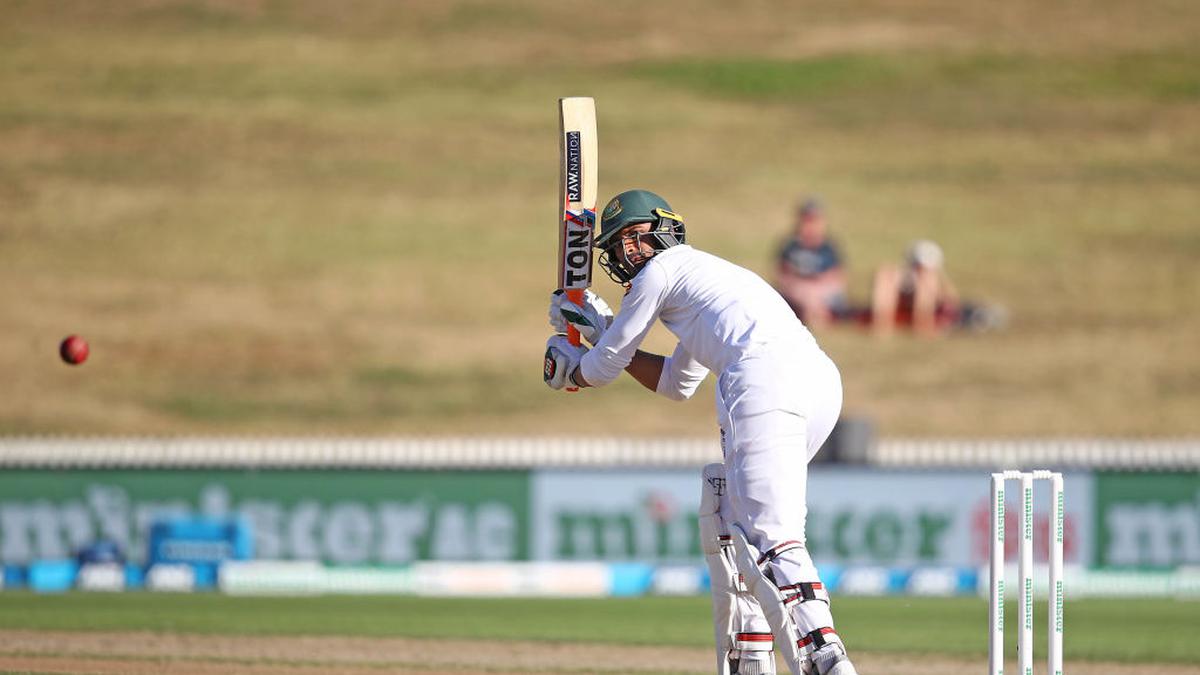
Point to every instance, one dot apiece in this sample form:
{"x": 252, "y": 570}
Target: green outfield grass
{"x": 304, "y": 218}
{"x": 1143, "y": 631}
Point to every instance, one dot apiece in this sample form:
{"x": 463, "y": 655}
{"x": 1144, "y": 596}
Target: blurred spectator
{"x": 810, "y": 274}
{"x": 922, "y": 297}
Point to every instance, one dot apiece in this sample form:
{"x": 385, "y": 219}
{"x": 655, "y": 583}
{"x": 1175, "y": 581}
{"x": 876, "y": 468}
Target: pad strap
{"x": 754, "y": 642}
{"x": 803, "y": 592}
{"x": 817, "y": 638}
{"x": 777, "y": 551}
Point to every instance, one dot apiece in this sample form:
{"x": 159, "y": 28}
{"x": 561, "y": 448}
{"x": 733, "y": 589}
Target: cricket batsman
{"x": 778, "y": 397}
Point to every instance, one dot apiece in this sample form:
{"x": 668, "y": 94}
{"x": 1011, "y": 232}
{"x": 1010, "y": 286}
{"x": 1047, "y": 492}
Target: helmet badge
{"x": 613, "y": 208}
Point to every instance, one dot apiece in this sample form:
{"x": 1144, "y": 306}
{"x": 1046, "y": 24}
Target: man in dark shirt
{"x": 810, "y": 275}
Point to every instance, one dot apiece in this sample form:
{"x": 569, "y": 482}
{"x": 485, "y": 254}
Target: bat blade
{"x": 577, "y": 190}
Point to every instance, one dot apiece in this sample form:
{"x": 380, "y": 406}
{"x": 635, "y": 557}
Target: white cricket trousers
{"x": 775, "y": 408}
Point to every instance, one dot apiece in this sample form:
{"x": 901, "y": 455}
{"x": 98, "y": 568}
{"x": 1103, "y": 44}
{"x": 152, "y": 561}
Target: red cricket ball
{"x": 73, "y": 350}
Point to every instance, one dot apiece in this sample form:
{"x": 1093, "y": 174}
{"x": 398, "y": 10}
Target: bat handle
{"x": 575, "y": 296}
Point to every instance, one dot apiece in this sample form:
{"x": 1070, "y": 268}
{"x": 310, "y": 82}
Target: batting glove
{"x": 591, "y": 320}
{"x": 562, "y": 358}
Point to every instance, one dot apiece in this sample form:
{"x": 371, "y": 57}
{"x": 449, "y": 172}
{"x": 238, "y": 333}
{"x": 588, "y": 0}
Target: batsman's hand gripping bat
{"x": 577, "y": 191}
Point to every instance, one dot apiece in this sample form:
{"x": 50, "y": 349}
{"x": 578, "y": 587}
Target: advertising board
{"x": 1148, "y": 520}
{"x": 856, "y": 516}
{"x": 339, "y": 517}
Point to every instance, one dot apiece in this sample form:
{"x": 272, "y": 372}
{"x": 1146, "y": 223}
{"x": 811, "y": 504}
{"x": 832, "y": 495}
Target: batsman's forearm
{"x": 646, "y": 368}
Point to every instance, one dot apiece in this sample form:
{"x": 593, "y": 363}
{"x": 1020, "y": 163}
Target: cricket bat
{"x": 577, "y": 191}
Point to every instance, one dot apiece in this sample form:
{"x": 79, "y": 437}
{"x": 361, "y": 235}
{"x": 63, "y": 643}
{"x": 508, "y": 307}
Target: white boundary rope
{"x": 550, "y": 452}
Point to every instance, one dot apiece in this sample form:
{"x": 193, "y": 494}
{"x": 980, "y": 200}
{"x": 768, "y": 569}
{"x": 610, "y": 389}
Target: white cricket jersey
{"x": 720, "y": 312}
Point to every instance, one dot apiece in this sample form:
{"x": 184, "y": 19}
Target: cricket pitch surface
{"x": 148, "y": 652}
